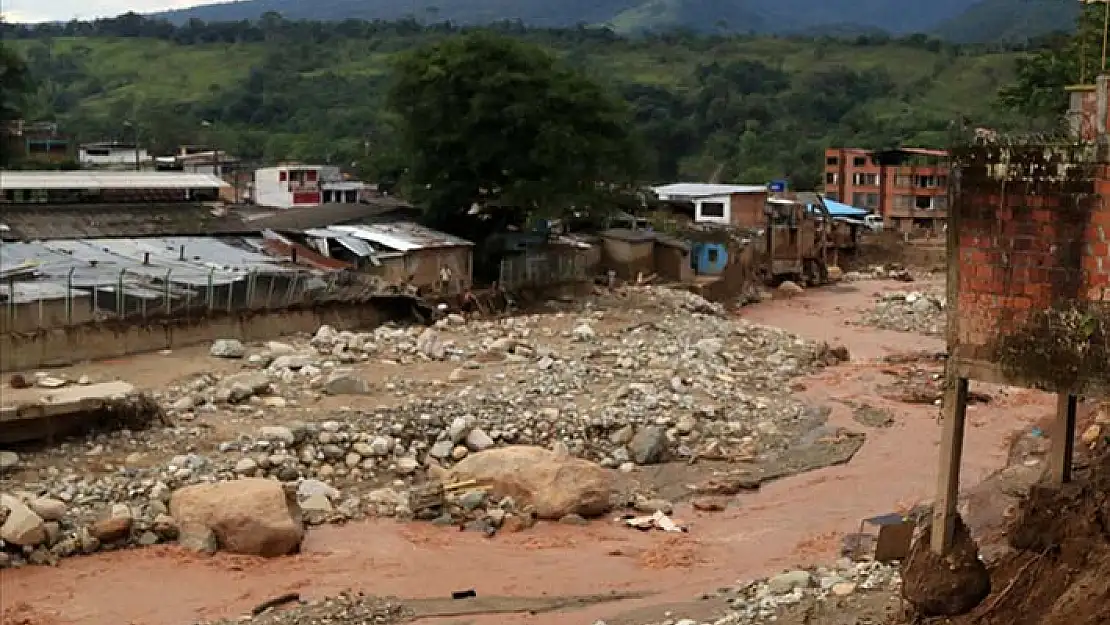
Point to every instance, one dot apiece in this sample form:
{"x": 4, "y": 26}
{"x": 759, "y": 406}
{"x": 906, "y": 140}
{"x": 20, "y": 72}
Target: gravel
{"x": 921, "y": 312}
{"x": 765, "y": 600}
{"x": 640, "y": 376}
{"x": 348, "y": 608}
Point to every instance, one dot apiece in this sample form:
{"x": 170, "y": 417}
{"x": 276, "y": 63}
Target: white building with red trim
{"x": 297, "y": 186}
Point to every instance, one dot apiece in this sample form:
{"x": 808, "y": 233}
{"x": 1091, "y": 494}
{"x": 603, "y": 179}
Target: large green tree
{"x": 491, "y": 121}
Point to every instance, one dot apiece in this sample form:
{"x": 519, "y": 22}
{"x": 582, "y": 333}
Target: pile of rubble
{"x": 908, "y": 311}
{"x": 764, "y": 601}
{"x": 347, "y": 608}
{"x": 609, "y": 383}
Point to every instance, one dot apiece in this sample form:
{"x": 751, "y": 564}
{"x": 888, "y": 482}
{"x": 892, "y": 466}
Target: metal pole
{"x": 270, "y": 291}
{"x": 169, "y": 297}
{"x": 69, "y": 295}
{"x": 11, "y": 300}
{"x": 211, "y": 288}
{"x": 119, "y": 294}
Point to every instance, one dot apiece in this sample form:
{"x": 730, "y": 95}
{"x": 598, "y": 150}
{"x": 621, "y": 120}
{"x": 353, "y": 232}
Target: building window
{"x": 865, "y": 180}
{"x": 712, "y": 209}
{"x": 283, "y": 176}
{"x": 923, "y": 202}
{"x": 872, "y": 200}
{"x": 903, "y": 202}
{"x": 859, "y": 161}
{"x": 859, "y": 199}
{"x": 832, "y": 160}
{"x": 927, "y": 182}
{"x": 830, "y": 178}
{"x": 903, "y": 181}
{"x": 711, "y": 255}
{"x": 940, "y": 203}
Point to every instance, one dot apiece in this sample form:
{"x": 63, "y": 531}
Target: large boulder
{"x": 554, "y": 484}
{"x": 248, "y": 516}
{"x": 19, "y": 525}
{"x": 947, "y": 585}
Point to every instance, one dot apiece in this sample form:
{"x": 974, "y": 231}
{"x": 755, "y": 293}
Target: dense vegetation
{"x": 963, "y": 20}
{"x": 737, "y": 108}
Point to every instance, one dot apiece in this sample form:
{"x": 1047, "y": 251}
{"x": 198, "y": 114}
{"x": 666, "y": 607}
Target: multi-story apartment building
{"x": 907, "y": 186}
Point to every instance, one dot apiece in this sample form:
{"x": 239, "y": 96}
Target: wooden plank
{"x": 948, "y": 474}
{"x": 1062, "y": 436}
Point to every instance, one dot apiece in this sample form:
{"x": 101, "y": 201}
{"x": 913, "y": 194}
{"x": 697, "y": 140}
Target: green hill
{"x": 763, "y": 108}
{"x": 1010, "y": 20}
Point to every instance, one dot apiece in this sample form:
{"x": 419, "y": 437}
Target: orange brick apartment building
{"x": 907, "y": 186}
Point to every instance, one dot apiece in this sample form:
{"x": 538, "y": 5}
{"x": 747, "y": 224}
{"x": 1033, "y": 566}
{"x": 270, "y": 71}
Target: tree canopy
{"x": 1059, "y": 60}
{"x": 485, "y": 119}
{"x": 14, "y": 84}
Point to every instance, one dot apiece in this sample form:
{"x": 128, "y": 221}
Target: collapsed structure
{"x": 1028, "y": 280}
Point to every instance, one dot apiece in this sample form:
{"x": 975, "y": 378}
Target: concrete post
{"x": 948, "y": 476}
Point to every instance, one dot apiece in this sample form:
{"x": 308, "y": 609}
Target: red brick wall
{"x": 1025, "y": 240}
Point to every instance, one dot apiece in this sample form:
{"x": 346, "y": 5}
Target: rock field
{"x": 355, "y": 423}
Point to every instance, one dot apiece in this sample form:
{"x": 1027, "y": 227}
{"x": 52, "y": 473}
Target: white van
{"x": 874, "y": 222}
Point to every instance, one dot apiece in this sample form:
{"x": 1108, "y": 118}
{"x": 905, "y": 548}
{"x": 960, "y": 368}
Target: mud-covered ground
{"x": 796, "y": 522}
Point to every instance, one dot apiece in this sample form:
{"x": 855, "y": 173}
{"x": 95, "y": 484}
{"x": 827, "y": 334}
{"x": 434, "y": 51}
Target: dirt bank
{"x": 790, "y": 522}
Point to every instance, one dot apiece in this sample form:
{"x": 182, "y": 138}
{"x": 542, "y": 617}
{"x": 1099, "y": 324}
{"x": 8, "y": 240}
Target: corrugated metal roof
{"x": 26, "y": 222}
{"x": 699, "y": 189}
{"x": 96, "y": 262}
{"x": 385, "y": 208}
{"x": 402, "y": 236}
{"x": 27, "y": 292}
{"x": 107, "y": 180}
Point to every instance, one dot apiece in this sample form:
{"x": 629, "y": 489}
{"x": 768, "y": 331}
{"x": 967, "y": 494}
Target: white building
{"x": 295, "y": 186}
{"x": 723, "y": 204}
{"x": 112, "y": 156}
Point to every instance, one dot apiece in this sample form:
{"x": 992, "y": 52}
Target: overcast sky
{"x": 65, "y": 10}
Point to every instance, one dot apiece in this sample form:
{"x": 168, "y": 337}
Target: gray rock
{"x": 246, "y": 466}
{"x": 22, "y": 527}
{"x": 9, "y": 461}
{"x": 477, "y": 440}
{"x": 442, "y": 449}
{"x": 277, "y": 433}
{"x": 648, "y": 446}
{"x": 407, "y": 465}
{"x": 346, "y": 383}
{"x": 49, "y": 509}
{"x": 786, "y": 582}
{"x": 311, "y": 487}
{"x": 227, "y": 348}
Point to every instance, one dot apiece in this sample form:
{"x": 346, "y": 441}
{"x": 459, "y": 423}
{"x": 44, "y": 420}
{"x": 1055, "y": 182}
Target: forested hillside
{"x": 753, "y": 108}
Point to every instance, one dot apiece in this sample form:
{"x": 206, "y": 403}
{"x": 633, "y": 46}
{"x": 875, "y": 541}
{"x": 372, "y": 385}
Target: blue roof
{"x": 836, "y": 209}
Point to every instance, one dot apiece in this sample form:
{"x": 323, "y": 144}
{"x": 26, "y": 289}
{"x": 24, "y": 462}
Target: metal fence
{"x": 28, "y": 305}
{"x": 545, "y": 268}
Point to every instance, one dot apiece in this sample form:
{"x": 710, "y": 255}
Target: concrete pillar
{"x": 948, "y": 474}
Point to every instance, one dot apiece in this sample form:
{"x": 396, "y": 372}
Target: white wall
{"x": 725, "y": 219}
{"x": 269, "y": 191}
{"x": 116, "y": 158}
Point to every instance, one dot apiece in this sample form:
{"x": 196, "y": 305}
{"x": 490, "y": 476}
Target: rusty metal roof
{"x": 28, "y": 222}
{"x": 306, "y": 218}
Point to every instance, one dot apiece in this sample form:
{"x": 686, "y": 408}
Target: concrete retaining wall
{"x": 52, "y": 347}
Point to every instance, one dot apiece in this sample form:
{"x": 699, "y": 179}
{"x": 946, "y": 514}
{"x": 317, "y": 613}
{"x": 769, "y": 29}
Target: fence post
{"x": 270, "y": 291}
{"x": 119, "y": 295}
{"x": 211, "y": 288}
{"x": 69, "y": 295}
{"x": 169, "y": 296}
{"x": 11, "y": 301}
{"x": 252, "y": 277}
{"x": 230, "y": 295}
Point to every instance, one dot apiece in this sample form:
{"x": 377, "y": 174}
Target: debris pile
{"x": 908, "y": 311}
{"x": 632, "y": 377}
{"x": 764, "y": 601}
{"x": 348, "y": 608}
